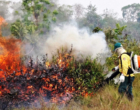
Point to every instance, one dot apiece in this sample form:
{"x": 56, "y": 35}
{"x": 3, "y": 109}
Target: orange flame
{"x": 9, "y": 56}
{"x": 10, "y": 61}
{"x": 1, "y": 20}
{"x": 47, "y": 64}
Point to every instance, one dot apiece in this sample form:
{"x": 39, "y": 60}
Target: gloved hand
{"x": 107, "y": 80}
{"x": 115, "y": 68}
{"x": 122, "y": 78}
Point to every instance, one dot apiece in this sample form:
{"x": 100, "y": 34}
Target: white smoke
{"x": 83, "y": 43}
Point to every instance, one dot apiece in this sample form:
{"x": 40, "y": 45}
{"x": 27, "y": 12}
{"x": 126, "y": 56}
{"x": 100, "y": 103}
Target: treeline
{"x": 39, "y": 16}
{"x": 33, "y": 20}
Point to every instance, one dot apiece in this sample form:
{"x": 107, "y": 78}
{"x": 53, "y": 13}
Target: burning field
{"x": 23, "y": 81}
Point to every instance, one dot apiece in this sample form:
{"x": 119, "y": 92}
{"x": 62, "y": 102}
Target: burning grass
{"x": 23, "y": 83}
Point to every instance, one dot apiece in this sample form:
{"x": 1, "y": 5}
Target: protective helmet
{"x": 117, "y": 45}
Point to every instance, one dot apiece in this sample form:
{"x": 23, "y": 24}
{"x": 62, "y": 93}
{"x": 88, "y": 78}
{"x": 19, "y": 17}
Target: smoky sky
{"x": 101, "y": 5}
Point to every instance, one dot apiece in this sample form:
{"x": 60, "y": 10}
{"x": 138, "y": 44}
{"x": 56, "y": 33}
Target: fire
{"x": 1, "y": 20}
{"x": 63, "y": 60}
{"x": 29, "y": 87}
{"x": 9, "y": 56}
{"x": 47, "y": 64}
{"x": 27, "y": 83}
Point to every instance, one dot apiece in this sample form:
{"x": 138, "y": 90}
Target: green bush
{"x": 87, "y": 74}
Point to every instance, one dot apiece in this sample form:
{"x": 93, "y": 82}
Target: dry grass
{"x": 107, "y": 98}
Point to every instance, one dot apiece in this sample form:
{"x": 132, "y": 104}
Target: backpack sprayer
{"x": 135, "y": 63}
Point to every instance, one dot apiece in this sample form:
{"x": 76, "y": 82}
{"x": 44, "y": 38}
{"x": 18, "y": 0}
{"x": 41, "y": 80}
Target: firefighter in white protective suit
{"x": 126, "y": 74}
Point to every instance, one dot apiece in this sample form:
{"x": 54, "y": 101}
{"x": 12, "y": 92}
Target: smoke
{"x": 83, "y": 43}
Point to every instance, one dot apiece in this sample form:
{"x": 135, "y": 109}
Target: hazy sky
{"x": 114, "y": 5}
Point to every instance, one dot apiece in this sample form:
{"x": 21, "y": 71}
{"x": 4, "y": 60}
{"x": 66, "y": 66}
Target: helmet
{"x": 117, "y": 45}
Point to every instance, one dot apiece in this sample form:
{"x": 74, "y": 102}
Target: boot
{"x": 130, "y": 97}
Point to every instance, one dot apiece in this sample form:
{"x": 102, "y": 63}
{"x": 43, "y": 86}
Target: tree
{"x": 78, "y": 10}
{"x": 109, "y": 13}
{"x": 91, "y": 19}
{"x": 130, "y": 12}
{"x": 114, "y": 35}
{"x": 19, "y": 30}
{"x": 109, "y": 19}
{"x": 40, "y": 12}
{"x": 65, "y": 13}
{"x": 36, "y": 17}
